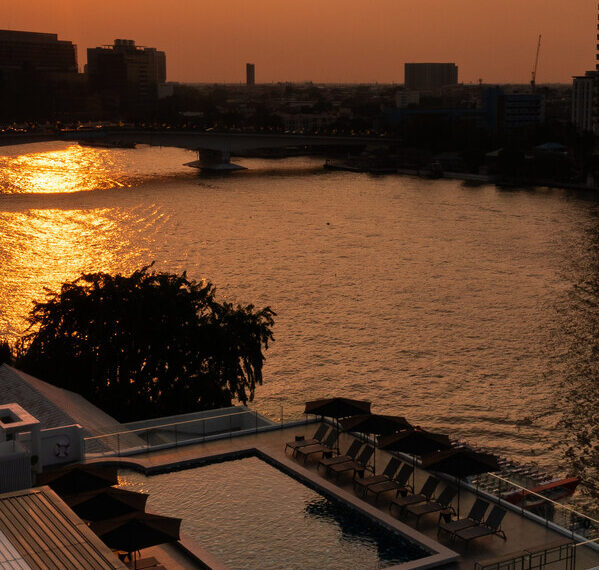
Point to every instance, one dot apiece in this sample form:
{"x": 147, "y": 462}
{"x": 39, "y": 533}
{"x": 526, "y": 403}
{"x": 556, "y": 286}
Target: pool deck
{"x": 521, "y": 532}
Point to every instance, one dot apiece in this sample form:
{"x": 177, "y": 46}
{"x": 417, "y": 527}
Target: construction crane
{"x": 533, "y": 81}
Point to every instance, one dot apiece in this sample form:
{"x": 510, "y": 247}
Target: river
{"x": 470, "y": 310}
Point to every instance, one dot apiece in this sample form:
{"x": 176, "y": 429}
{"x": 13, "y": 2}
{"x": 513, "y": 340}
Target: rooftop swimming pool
{"x": 251, "y": 515}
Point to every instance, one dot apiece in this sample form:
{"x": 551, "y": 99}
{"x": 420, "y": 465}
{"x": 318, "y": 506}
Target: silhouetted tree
{"x": 5, "y": 352}
{"x": 148, "y": 344}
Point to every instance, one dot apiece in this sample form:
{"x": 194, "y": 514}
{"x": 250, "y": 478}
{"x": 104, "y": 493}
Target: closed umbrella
{"x": 337, "y": 408}
{"x": 461, "y": 462}
{"x": 376, "y": 424}
{"x": 415, "y": 442}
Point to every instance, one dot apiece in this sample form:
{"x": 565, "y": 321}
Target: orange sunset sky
{"x": 330, "y": 40}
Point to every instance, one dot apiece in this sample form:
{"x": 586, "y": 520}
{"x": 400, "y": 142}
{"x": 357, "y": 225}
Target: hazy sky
{"x": 330, "y": 40}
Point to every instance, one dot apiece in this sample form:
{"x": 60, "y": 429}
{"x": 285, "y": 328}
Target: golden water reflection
{"x": 72, "y": 169}
{"x": 46, "y": 247}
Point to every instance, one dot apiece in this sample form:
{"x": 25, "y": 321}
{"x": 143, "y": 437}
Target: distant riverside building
{"x": 511, "y": 111}
{"x": 126, "y": 75}
{"x": 250, "y": 74}
{"x": 43, "y": 52}
{"x": 38, "y": 76}
{"x": 405, "y": 98}
{"x": 307, "y": 122}
{"x": 585, "y": 90}
{"x": 430, "y": 76}
{"x": 585, "y": 98}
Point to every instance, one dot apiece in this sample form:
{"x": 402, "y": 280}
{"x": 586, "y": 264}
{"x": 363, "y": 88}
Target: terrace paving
{"x": 521, "y": 532}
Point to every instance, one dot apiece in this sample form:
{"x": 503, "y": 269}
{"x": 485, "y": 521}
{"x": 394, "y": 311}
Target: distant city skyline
{"x": 331, "y": 42}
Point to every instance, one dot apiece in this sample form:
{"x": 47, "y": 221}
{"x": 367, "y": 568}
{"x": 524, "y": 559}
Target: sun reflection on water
{"x": 72, "y": 169}
{"x": 46, "y": 247}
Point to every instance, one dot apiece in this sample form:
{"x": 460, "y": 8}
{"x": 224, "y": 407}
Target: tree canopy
{"x": 147, "y": 345}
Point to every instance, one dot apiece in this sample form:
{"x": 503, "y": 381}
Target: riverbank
{"x": 470, "y": 178}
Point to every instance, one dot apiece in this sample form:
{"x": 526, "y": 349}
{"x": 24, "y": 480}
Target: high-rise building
{"x": 38, "y": 77}
{"x": 250, "y": 74}
{"x": 597, "y": 54}
{"x": 43, "y": 52}
{"x": 585, "y": 97}
{"x": 585, "y": 88}
{"x": 430, "y": 76}
{"x": 126, "y": 75}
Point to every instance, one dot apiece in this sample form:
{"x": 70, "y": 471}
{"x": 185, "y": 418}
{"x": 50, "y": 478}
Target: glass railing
{"x": 164, "y": 433}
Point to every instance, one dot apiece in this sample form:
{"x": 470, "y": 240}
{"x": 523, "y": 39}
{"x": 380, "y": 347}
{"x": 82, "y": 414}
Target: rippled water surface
{"x": 468, "y": 310}
{"x": 250, "y": 515}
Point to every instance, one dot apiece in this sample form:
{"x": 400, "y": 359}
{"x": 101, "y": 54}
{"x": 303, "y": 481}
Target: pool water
{"x": 251, "y": 515}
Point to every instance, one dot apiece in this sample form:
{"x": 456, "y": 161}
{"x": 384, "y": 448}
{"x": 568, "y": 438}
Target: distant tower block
{"x": 250, "y": 74}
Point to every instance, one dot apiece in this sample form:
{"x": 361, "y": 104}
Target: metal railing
{"x": 534, "y": 558}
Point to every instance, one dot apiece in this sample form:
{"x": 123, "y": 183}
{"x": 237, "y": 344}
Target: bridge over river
{"x": 214, "y": 148}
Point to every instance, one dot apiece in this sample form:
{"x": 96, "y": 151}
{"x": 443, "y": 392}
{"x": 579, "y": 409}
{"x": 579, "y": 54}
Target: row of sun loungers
{"x": 395, "y": 478}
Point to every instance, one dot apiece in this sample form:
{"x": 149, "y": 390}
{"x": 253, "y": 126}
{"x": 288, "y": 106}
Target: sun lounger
{"x": 361, "y": 485}
{"x": 350, "y": 455}
{"x": 474, "y": 517}
{"x": 401, "y": 503}
{"x": 358, "y": 465}
{"x": 399, "y": 484}
{"x": 492, "y": 525}
{"x": 327, "y": 446}
{"x": 442, "y": 503}
{"x": 318, "y": 437}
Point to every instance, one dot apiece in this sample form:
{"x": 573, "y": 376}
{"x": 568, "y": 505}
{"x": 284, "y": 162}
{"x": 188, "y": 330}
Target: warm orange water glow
{"x": 394, "y": 289}
{"x": 53, "y": 228}
{"x": 49, "y": 247}
{"x": 332, "y": 41}
{"x": 73, "y": 169}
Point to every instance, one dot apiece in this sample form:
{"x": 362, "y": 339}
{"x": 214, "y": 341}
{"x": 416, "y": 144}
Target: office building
{"x": 125, "y": 75}
{"x": 43, "y": 52}
{"x": 430, "y": 76}
{"x": 250, "y": 74}
{"x": 38, "y": 77}
{"x": 405, "y": 98}
{"x": 585, "y": 88}
{"x": 512, "y": 111}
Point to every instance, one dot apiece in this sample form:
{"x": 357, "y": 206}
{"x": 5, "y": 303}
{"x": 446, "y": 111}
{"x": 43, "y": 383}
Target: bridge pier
{"x": 214, "y": 160}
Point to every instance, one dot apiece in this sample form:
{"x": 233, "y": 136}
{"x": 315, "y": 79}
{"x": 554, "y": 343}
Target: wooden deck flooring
{"x": 521, "y": 532}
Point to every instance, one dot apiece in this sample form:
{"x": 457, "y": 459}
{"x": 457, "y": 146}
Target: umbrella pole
{"x": 373, "y": 455}
{"x": 459, "y": 487}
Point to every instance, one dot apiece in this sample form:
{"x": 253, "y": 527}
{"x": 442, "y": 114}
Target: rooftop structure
{"x": 42, "y": 532}
{"x": 51, "y": 406}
